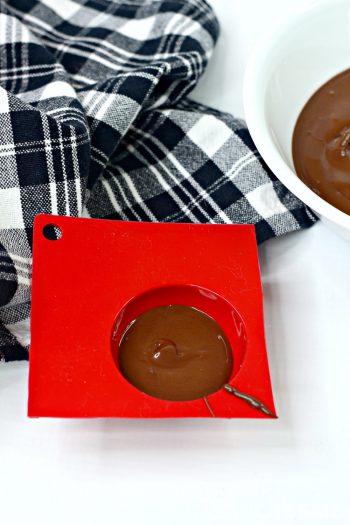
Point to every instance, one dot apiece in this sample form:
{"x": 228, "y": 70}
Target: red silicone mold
{"x": 88, "y": 286}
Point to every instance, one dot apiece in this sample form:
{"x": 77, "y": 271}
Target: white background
{"x": 293, "y": 471}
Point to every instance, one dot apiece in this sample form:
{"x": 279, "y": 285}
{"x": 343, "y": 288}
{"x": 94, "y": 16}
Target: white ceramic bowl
{"x": 285, "y": 69}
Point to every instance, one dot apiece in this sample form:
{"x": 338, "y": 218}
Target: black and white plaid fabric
{"x": 95, "y": 121}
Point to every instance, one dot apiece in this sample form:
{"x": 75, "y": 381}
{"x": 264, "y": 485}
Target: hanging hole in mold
{"x": 52, "y": 232}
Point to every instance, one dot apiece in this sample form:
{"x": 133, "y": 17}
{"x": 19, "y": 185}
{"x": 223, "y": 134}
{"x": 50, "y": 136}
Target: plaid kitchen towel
{"x": 95, "y": 122}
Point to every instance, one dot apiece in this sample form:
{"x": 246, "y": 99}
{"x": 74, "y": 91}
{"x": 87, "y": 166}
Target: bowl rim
{"x": 255, "y": 112}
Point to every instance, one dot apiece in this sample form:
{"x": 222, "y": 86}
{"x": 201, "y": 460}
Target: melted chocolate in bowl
{"x": 175, "y": 353}
{"x": 321, "y": 142}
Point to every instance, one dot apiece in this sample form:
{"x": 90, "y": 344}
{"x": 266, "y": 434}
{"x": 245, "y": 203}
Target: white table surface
{"x": 295, "y": 470}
